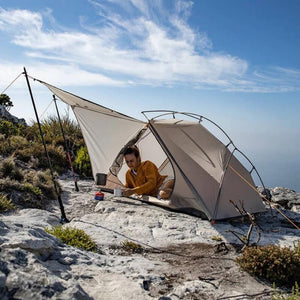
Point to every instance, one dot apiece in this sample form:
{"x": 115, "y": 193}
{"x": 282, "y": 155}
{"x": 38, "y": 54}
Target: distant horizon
{"x": 235, "y": 62}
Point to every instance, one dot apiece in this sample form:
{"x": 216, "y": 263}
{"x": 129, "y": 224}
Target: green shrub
{"x": 82, "y": 162}
{"x": 9, "y": 169}
{"x": 276, "y": 264}
{"x": 37, "y": 152}
{"x": 5, "y": 204}
{"x": 29, "y": 188}
{"x": 26, "y": 144}
{"x": 17, "y": 141}
{"x": 8, "y": 128}
{"x": 43, "y": 181}
{"x": 5, "y": 147}
{"x": 132, "y": 247}
{"x": 73, "y": 237}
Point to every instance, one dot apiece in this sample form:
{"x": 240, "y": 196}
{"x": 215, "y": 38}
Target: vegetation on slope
{"x": 25, "y": 178}
{"x": 279, "y": 265}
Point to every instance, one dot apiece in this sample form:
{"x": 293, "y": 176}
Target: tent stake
{"x": 66, "y": 145}
{"x": 63, "y": 215}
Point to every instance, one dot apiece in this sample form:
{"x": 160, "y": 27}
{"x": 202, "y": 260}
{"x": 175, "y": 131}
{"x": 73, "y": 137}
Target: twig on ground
{"x": 245, "y": 239}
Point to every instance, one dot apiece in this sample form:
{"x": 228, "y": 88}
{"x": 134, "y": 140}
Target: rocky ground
{"x": 183, "y": 257}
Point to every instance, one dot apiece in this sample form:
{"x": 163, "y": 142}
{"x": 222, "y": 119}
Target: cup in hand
{"x": 118, "y": 192}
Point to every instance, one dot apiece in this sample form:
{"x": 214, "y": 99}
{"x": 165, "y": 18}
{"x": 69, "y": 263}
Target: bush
{"x": 276, "y": 264}
{"x": 5, "y": 204}
{"x": 9, "y": 169}
{"x": 43, "y": 181}
{"x": 37, "y": 152}
{"x": 9, "y": 129}
{"x": 26, "y": 144}
{"x": 132, "y": 247}
{"x": 25, "y": 187}
{"x": 29, "y": 188}
{"x": 73, "y": 237}
{"x": 82, "y": 162}
{"x": 17, "y": 141}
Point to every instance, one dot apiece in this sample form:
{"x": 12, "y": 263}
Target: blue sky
{"x": 234, "y": 61}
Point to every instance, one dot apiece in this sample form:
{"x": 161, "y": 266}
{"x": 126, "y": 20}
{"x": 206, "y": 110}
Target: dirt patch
{"x": 201, "y": 271}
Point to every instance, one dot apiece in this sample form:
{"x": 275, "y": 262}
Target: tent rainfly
{"x": 207, "y": 174}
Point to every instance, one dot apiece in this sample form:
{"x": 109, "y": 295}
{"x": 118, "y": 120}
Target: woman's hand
{"x": 127, "y": 192}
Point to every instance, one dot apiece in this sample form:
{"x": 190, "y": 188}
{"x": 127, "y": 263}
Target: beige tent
{"x": 207, "y": 174}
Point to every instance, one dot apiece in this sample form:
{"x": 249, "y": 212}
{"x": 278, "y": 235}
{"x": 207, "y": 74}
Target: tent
{"x": 208, "y": 176}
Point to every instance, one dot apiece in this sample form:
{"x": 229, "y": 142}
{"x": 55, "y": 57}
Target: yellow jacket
{"x": 147, "y": 181}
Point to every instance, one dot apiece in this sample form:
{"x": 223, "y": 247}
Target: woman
{"x": 143, "y": 178}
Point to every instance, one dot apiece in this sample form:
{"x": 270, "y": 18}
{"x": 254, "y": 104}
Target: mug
{"x": 118, "y": 192}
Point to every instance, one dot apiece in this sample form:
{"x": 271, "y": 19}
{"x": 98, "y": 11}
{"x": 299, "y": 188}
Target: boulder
{"x": 7, "y": 116}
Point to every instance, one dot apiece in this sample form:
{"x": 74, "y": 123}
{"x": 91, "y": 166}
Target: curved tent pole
{"x": 191, "y": 115}
{"x": 63, "y": 215}
{"x": 200, "y": 118}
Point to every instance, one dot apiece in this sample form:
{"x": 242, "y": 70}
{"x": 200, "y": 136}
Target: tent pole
{"x": 63, "y": 215}
{"x": 66, "y": 145}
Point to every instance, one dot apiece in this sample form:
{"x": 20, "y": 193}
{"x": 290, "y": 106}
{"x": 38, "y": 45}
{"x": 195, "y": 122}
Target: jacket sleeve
{"x": 151, "y": 173}
{"x": 128, "y": 183}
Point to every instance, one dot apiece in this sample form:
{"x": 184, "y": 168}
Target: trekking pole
{"x": 66, "y": 146}
{"x": 61, "y": 206}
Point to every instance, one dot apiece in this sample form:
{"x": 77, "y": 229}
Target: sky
{"x": 236, "y": 62}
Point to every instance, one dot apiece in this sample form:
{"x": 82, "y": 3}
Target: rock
{"x": 286, "y": 198}
{"x": 179, "y": 258}
{"x": 7, "y": 116}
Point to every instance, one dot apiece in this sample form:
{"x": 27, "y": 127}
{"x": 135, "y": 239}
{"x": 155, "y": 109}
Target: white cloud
{"x": 148, "y": 45}
{"x": 22, "y": 20}
{"x": 56, "y": 74}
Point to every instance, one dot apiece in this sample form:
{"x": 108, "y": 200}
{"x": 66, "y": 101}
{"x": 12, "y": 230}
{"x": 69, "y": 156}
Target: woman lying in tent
{"x": 143, "y": 178}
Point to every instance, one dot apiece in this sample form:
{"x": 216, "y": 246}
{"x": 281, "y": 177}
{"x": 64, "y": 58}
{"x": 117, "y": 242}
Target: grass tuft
{"x": 5, "y": 204}
{"x": 73, "y": 237}
{"x": 132, "y": 247}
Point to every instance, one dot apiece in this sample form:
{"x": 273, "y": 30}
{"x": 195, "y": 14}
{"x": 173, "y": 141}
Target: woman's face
{"x": 132, "y": 161}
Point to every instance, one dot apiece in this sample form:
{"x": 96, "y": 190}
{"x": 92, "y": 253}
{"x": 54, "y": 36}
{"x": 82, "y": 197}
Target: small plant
{"x": 9, "y": 129}
{"x": 132, "y": 247}
{"x": 7, "y": 167}
{"x": 29, "y": 188}
{"x": 217, "y": 238}
{"x": 5, "y": 204}
{"x": 295, "y": 294}
{"x": 73, "y": 237}
{"x": 273, "y": 263}
{"x": 43, "y": 181}
{"x": 82, "y": 162}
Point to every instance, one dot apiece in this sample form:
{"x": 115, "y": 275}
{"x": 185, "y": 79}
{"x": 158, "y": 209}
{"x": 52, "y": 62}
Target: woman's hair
{"x": 132, "y": 150}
